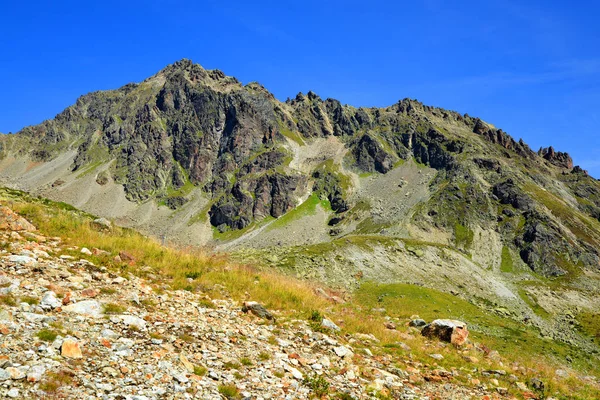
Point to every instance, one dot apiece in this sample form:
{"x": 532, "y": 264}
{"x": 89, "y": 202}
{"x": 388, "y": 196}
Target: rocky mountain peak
{"x": 252, "y": 158}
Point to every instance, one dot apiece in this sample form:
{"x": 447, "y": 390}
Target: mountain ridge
{"x": 186, "y": 127}
{"x": 406, "y": 193}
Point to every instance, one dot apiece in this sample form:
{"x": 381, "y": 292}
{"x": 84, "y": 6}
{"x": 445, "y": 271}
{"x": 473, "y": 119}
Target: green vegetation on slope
{"x": 308, "y": 207}
{"x": 506, "y": 262}
{"x": 194, "y": 270}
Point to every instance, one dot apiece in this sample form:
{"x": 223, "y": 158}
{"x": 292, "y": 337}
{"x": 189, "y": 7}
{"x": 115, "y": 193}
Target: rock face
{"x": 509, "y": 193}
{"x": 447, "y": 330}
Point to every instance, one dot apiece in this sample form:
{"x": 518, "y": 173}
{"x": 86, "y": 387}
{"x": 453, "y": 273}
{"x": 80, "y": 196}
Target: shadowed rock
{"x": 257, "y": 309}
{"x": 446, "y": 330}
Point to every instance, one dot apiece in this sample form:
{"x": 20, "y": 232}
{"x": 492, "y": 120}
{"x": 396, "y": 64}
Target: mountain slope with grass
{"x": 90, "y": 310}
{"x": 402, "y": 195}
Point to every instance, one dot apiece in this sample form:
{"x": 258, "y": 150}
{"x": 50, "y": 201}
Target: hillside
{"x": 315, "y": 190}
{"x": 93, "y": 311}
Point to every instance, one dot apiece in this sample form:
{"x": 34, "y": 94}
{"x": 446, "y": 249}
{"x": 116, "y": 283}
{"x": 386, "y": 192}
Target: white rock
{"x": 4, "y": 375}
{"x": 86, "y": 251}
{"x": 5, "y": 316}
{"x": 17, "y": 373}
{"x": 343, "y": 352}
{"x": 103, "y": 223}
{"x": 179, "y": 377}
{"x": 32, "y": 317}
{"x": 326, "y": 323}
{"x": 57, "y": 343}
{"x": 377, "y": 385}
{"x": 283, "y": 343}
{"x": 122, "y": 350}
{"x": 35, "y": 373}
{"x": 109, "y": 334}
{"x": 86, "y": 307}
{"x": 132, "y": 320}
{"x": 22, "y": 260}
{"x": 49, "y": 301}
{"x": 13, "y": 393}
{"x": 324, "y": 361}
{"x": 295, "y": 373}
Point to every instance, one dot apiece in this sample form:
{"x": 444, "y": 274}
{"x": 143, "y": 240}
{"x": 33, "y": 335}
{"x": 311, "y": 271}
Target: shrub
{"x": 46, "y": 335}
{"x": 200, "y": 370}
{"x": 112, "y": 308}
{"x": 245, "y": 361}
{"x": 318, "y": 384}
{"x": 29, "y": 300}
{"x": 230, "y": 392}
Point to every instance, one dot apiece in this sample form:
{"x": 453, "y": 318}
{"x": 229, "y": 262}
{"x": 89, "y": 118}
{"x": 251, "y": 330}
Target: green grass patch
{"x": 463, "y": 236}
{"x": 46, "y": 335}
{"x": 8, "y": 299}
{"x": 293, "y": 136}
{"x": 29, "y": 300}
{"x": 506, "y": 262}
{"x": 531, "y": 301}
{"x": 497, "y": 332}
{"x": 200, "y": 370}
{"x": 307, "y": 208}
{"x": 112, "y": 308}
{"x": 245, "y": 361}
{"x": 589, "y": 324}
{"x": 229, "y": 391}
{"x": 89, "y": 169}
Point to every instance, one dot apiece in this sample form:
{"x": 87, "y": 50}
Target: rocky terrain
{"x": 318, "y": 190}
{"x": 73, "y": 329}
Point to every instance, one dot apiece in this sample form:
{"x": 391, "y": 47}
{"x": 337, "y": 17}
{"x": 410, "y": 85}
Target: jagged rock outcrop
{"x": 497, "y": 136}
{"x": 558, "y": 158}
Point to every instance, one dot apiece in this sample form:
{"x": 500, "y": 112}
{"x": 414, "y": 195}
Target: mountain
{"x": 406, "y": 193}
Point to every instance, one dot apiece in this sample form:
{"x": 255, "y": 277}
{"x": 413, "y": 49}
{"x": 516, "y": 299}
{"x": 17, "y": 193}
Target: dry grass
{"x": 55, "y": 380}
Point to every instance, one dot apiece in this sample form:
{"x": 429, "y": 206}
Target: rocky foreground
{"x": 72, "y": 329}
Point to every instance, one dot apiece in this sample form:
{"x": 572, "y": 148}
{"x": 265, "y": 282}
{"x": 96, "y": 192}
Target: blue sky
{"x": 531, "y": 68}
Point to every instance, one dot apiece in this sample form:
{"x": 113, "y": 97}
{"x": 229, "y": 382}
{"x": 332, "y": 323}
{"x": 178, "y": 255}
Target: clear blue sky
{"x": 531, "y": 68}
